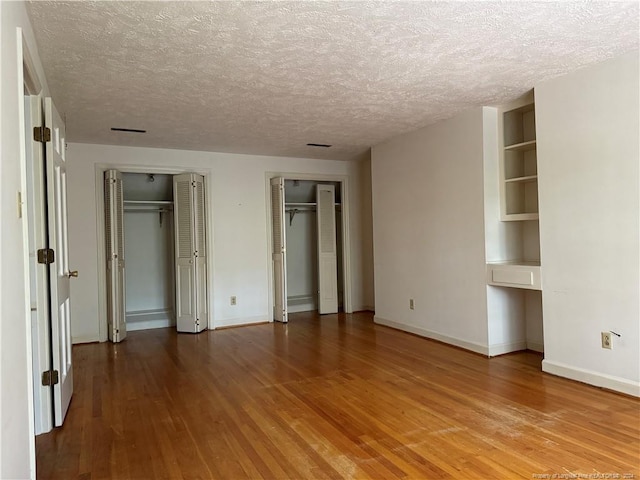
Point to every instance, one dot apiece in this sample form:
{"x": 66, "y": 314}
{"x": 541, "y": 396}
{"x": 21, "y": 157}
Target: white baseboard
{"x": 502, "y": 348}
{"x": 149, "y": 319}
{"x": 474, "y": 347}
{"x": 592, "y": 378}
{"x": 84, "y": 339}
{"x": 309, "y": 307}
{"x": 536, "y": 347}
{"x": 234, "y": 322}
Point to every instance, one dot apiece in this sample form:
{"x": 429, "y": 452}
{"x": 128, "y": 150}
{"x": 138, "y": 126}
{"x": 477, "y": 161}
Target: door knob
{"x": 73, "y": 273}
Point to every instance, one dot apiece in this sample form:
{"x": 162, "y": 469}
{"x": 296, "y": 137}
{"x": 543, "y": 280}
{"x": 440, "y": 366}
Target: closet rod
{"x": 148, "y": 202}
{"x": 150, "y": 210}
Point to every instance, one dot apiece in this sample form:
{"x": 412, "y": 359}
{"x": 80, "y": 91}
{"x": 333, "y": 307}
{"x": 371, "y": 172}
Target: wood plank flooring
{"x": 329, "y": 397}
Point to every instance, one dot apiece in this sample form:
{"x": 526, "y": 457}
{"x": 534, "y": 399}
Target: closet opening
{"x": 149, "y": 246}
{"x": 308, "y": 226}
{"x": 155, "y": 252}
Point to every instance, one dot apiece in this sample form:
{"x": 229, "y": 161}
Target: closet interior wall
{"x": 149, "y": 251}
{"x": 302, "y": 246}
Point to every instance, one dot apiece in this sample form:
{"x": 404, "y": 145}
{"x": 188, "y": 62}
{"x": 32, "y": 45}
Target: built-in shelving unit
{"x": 518, "y": 162}
{"x": 518, "y": 197}
{"x": 515, "y": 267}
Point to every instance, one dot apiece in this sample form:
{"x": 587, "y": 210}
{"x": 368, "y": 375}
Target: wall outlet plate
{"x": 606, "y": 340}
{"x": 411, "y": 304}
{"x": 233, "y": 300}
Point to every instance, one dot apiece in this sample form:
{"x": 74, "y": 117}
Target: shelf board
{"x": 300, "y": 204}
{"x": 148, "y": 202}
{"x": 516, "y": 263}
{"x": 516, "y": 217}
{"x": 525, "y": 179}
{"x": 305, "y": 204}
{"x": 519, "y": 147}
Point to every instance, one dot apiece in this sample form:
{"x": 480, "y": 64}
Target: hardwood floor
{"x": 329, "y": 397}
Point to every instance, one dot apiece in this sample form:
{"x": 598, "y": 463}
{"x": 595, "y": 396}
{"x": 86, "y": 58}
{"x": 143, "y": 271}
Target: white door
{"x": 327, "y": 252}
{"x": 37, "y": 218}
{"x": 190, "y": 251}
{"x": 59, "y": 273}
{"x": 279, "y": 251}
{"x": 114, "y": 229}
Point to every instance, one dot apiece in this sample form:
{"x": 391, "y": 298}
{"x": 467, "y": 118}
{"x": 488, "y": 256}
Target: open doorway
{"x": 155, "y": 251}
{"x": 301, "y": 226}
{"x": 149, "y": 247}
{"x": 309, "y": 245}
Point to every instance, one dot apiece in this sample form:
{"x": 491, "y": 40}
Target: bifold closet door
{"x": 114, "y": 229}
{"x": 190, "y": 252}
{"x": 279, "y": 253}
{"x": 327, "y": 251}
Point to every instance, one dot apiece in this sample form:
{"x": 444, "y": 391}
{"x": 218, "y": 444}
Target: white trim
{"x": 84, "y": 339}
{"x": 150, "y": 319}
{"x": 26, "y": 66}
{"x": 99, "y": 169}
{"x": 301, "y": 303}
{"x": 31, "y": 79}
{"x": 307, "y": 307}
{"x": 346, "y": 230}
{"x": 592, "y": 378}
{"x": 503, "y": 348}
{"x": 243, "y": 321}
{"x": 423, "y": 332}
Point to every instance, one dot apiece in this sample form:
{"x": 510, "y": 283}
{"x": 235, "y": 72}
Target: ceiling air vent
{"x": 129, "y": 130}
{"x": 322, "y": 145}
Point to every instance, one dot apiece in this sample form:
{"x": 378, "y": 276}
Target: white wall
{"x": 428, "y": 231}
{"x": 148, "y": 248}
{"x": 239, "y": 212}
{"x": 17, "y": 458}
{"x": 588, "y": 166}
{"x": 302, "y": 258}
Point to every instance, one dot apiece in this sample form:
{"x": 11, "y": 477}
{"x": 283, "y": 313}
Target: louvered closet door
{"x": 327, "y": 252}
{"x": 190, "y": 251}
{"x": 279, "y": 254}
{"x": 114, "y": 228}
{"x": 201, "y": 252}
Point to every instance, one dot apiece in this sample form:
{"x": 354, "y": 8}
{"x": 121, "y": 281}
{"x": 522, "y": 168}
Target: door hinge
{"x": 46, "y": 256}
{"x": 42, "y": 134}
{"x": 50, "y": 378}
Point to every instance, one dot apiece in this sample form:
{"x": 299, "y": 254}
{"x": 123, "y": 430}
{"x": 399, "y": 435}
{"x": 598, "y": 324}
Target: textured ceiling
{"x": 270, "y": 77}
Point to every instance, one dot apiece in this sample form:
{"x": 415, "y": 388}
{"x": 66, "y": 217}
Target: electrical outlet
{"x": 233, "y": 300}
{"x": 606, "y": 340}
{"x": 411, "y": 305}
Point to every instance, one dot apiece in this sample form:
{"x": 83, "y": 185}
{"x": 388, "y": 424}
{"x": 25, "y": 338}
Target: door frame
{"x": 38, "y": 358}
{"x": 39, "y": 311}
{"x": 100, "y": 168}
{"x": 343, "y": 180}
